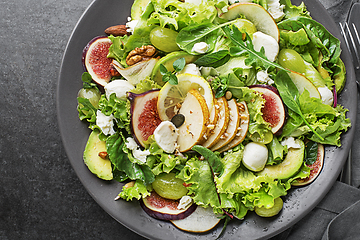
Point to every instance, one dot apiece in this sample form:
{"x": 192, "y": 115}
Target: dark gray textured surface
{"x": 40, "y": 195}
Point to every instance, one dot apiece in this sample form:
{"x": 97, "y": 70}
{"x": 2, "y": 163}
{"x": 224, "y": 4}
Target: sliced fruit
{"x": 164, "y": 39}
{"x": 263, "y": 21}
{"x": 272, "y": 211}
{"x": 242, "y": 129}
{"x": 201, "y": 220}
{"x": 290, "y": 166}
{"x": 214, "y": 117}
{"x": 255, "y": 156}
{"x": 95, "y": 59}
{"x": 168, "y": 186}
{"x": 315, "y": 168}
{"x": 168, "y": 61}
{"x": 138, "y": 8}
{"x": 144, "y": 115}
{"x": 273, "y": 110}
{"x": 196, "y": 114}
{"x": 172, "y": 96}
{"x": 219, "y": 129}
{"x": 95, "y": 157}
{"x": 137, "y": 72}
{"x": 165, "y": 209}
{"x": 245, "y": 26}
{"x": 232, "y": 127}
{"x": 302, "y": 83}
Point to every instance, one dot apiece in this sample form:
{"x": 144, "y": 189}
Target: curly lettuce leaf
{"x": 291, "y": 10}
{"x": 137, "y": 191}
{"x": 86, "y": 111}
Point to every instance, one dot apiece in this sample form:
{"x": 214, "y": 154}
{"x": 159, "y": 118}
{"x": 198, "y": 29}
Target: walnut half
{"x": 140, "y": 54}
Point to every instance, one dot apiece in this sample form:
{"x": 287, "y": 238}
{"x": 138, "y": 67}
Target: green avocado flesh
{"x": 97, "y": 165}
{"x": 290, "y": 166}
{"x": 168, "y": 61}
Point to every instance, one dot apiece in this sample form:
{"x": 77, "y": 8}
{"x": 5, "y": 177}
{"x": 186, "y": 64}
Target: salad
{"x": 211, "y": 109}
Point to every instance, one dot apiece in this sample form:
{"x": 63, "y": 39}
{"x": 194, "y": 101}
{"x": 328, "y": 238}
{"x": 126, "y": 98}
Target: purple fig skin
{"x": 165, "y": 216}
{"x": 86, "y": 48}
{"x": 274, "y": 89}
{"x": 132, "y": 98}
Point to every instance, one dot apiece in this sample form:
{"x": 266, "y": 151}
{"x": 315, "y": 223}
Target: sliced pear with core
{"x": 302, "y": 83}
{"x": 196, "y": 114}
{"x": 232, "y": 128}
{"x": 242, "y": 129}
{"x": 221, "y": 124}
{"x": 214, "y": 117}
{"x": 258, "y": 15}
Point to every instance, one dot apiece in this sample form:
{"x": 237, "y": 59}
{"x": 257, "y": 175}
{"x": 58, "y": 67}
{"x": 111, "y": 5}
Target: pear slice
{"x": 232, "y": 128}
{"x": 302, "y": 83}
{"x": 196, "y": 113}
{"x": 221, "y": 124}
{"x": 214, "y": 117}
{"x": 262, "y": 19}
{"x": 242, "y": 129}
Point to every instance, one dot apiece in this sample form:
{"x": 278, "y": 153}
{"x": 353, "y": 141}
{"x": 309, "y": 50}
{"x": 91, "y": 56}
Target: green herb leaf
{"x": 87, "y": 81}
{"x": 215, "y": 59}
{"x": 311, "y": 151}
{"x": 163, "y": 69}
{"x": 179, "y": 64}
{"x": 173, "y": 79}
{"x": 213, "y": 160}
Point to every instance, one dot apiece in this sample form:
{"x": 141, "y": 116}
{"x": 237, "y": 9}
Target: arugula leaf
{"x": 290, "y": 95}
{"x": 247, "y": 48}
{"x": 214, "y": 59}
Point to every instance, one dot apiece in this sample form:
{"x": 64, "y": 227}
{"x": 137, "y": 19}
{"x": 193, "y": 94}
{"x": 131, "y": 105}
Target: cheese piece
{"x": 269, "y": 43}
{"x": 119, "y": 87}
{"x": 255, "y": 156}
{"x": 166, "y": 135}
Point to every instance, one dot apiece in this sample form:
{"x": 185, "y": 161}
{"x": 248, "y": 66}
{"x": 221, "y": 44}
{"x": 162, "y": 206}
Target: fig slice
{"x": 95, "y": 59}
{"x": 144, "y": 114}
{"x": 273, "y": 110}
{"x": 316, "y": 168}
{"x": 201, "y": 220}
{"x": 165, "y": 209}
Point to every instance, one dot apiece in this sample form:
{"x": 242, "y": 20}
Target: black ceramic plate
{"x": 300, "y": 201}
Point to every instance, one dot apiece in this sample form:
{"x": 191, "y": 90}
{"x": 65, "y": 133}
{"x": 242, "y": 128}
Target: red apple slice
{"x": 201, "y": 220}
{"x": 263, "y": 21}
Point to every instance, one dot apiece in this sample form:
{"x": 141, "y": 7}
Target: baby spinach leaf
{"x": 215, "y": 59}
{"x": 311, "y": 150}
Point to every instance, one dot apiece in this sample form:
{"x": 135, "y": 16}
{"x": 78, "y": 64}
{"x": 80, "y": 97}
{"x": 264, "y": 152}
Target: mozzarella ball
{"x": 119, "y": 87}
{"x": 255, "y": 156}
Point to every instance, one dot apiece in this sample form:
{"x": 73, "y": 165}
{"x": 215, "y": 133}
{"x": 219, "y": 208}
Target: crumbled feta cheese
{"x": 131, "y": 24}
{"x": 119, "y": 87}
{"x": 184, "y": 202}
{"x": 275, "y": 9}
{"x": 255, "y": 156}
{"x": 131, "y": 144}
{"x": 105, "y": 123}
{"x": 290, "y": 143}
{"x": 327, "y": 96}
{"x": 263, "y": 76}
{"x": 141, "y": 155}
{"x": 269, "y": 43}
{"x": 200, "y": 47}
{"x": 166, "y": 136}
{"x": 191, "y": 68}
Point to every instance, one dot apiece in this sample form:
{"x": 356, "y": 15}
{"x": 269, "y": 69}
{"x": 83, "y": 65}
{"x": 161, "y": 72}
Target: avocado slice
{"x": 168, "y": 61}
{"x": 97, "y": 165}
{"x": 138, "y": 8}
{"x": 290, "y": 166}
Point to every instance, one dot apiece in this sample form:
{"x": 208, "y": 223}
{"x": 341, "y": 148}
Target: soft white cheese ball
{"x": 327, "y": 96}
{"x": 269, "y": 43}
{"x": 191, "y": 68}
{"x": 200, "y": 47}
{"x": 166, "y": 136}
{"x": 119, "y": 87}
{"x": 255, "y": 156}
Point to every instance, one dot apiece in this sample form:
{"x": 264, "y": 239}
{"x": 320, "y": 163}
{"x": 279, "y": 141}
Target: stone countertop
{"x": 40, "y": 194}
